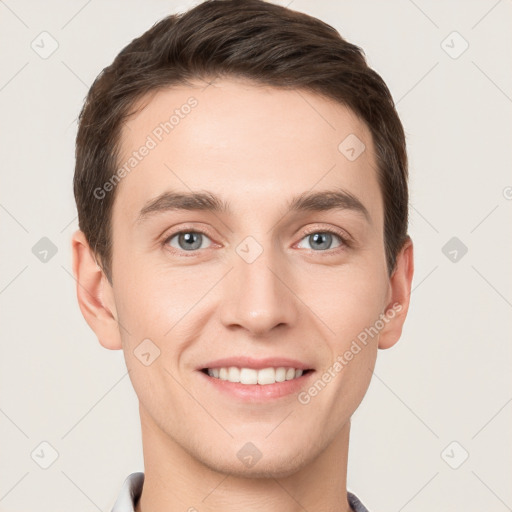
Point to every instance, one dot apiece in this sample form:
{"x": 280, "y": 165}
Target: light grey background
{"x": 448, "y": 379}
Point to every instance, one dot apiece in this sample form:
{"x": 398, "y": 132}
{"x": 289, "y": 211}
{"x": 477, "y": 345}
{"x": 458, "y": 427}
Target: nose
{"x": 258, "y": 296}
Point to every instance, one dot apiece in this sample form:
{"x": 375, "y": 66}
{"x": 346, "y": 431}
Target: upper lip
{"x": 256, "y": 364}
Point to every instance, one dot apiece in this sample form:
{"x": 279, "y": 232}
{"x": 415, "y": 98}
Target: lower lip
{"x": 259, "y": 392}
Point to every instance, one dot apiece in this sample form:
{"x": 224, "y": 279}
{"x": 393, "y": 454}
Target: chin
{"x": 276, "y": 465}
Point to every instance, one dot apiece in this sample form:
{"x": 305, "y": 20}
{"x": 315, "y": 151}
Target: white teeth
{"x": 252, "y": 376}
{"x": 248, "y": 376}
{"x": 280, "y": 374}
{"x": 233, "y": 374}
{"x": 266, "y": 376}
{"x": 290, "y": 373}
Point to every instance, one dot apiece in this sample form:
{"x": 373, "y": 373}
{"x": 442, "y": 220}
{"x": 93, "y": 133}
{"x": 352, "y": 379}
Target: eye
{"x": 187, "y": 240}
{"x": 322, "y": 240}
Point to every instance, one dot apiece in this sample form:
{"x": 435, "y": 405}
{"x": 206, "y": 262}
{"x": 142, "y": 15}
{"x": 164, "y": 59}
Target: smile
{"x": 251, "y": 376}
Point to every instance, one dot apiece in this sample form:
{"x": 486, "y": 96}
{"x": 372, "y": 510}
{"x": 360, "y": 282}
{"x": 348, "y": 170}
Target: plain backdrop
{"x": 433, "y": 432}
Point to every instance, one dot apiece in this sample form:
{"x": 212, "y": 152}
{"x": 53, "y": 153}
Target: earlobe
{"x": 400, "y": 292}
{"x": 94, "y": 294}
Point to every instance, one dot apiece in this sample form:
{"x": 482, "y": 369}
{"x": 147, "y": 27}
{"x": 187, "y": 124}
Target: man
{"x": 241, "y": 185}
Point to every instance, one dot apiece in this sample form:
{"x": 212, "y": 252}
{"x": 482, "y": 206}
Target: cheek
{"x": 157, "y": 301}
{"x": 351, "y": 310}
{"x": 347, "y": 300}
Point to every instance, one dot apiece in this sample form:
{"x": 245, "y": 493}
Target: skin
{"x": 255, "y": 147}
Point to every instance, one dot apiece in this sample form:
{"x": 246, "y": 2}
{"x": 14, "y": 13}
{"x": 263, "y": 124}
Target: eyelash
{"x": 345, "y": 243}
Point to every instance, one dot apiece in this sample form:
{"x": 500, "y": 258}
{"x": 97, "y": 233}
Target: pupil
{"x": 323, "y": 239}
{"x": 190, "y": 240}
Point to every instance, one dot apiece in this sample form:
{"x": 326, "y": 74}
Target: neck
{"x": 176, "y": 481}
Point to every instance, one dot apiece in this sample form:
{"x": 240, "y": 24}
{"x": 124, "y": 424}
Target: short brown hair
{"x": 252, "y": 39}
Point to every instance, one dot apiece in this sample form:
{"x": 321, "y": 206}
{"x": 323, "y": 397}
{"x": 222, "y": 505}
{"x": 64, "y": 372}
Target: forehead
{"x": 249, "y": 143}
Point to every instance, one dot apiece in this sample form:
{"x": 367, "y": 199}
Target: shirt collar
{"x": 130, "y": 493}
{"x": 132, "y": 489}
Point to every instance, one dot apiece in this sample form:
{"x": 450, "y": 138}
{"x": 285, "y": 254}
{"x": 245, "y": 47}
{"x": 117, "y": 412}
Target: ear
{"x": 95, "y": 294}
{"x": 399, "y": 296}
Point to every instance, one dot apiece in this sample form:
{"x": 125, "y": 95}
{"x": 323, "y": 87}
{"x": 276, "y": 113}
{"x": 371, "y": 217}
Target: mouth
{"x": 252, "y": 376}
{"x": 255, "y": 380}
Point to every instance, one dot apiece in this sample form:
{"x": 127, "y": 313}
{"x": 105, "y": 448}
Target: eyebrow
{"x": 206, "y": 201}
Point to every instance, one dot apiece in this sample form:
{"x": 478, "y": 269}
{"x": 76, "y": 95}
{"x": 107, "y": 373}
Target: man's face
{"x": 258, "y": 281}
